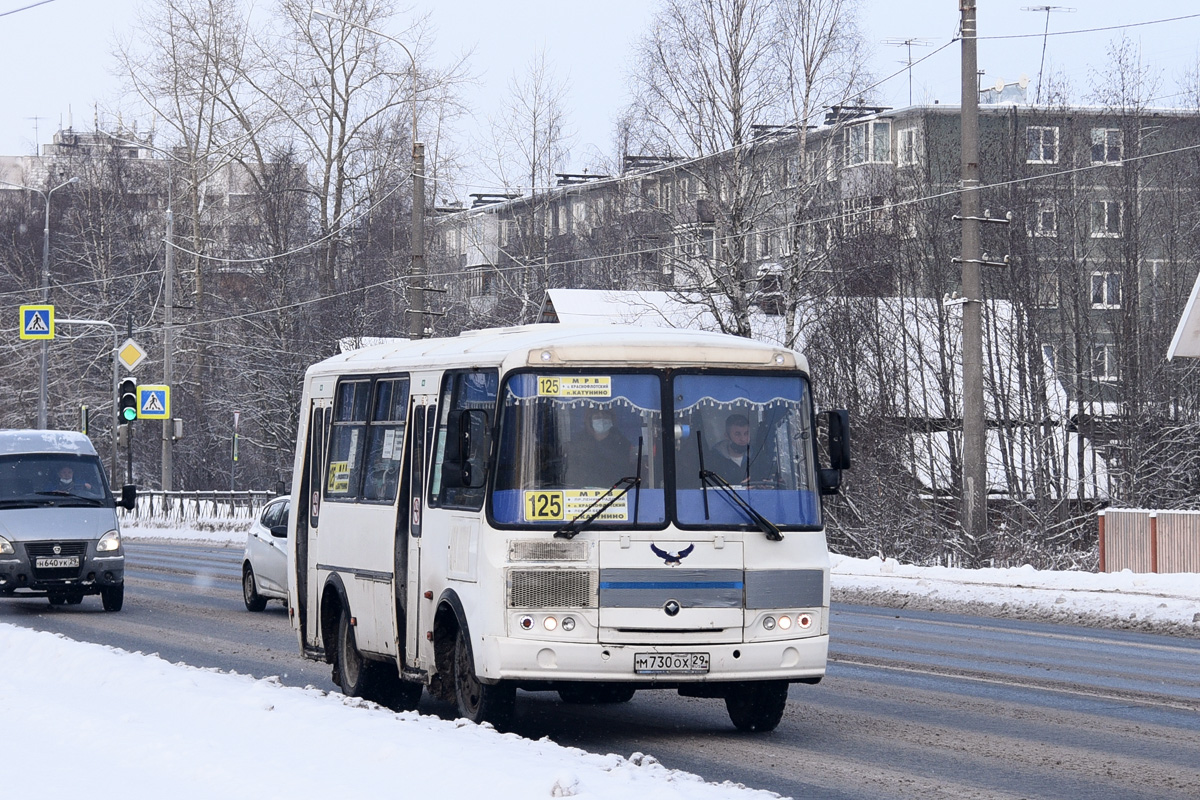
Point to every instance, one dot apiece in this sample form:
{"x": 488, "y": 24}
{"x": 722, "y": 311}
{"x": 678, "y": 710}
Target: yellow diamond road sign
{"x": 131, "y": 354}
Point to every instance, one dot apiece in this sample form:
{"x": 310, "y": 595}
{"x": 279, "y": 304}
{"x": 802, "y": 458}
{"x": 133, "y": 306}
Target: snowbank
{"x": 136, "y": 726}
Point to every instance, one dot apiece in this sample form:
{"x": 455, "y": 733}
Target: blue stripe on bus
{"x": 672, "y": 585}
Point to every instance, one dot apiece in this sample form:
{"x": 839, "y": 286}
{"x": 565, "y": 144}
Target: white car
{"x": 264, "y": 567}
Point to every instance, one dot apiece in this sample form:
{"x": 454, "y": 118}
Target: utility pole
{"x": 974, "y": 460}
{"x": 168, "y": 425}
{"x": 416, "y": 314}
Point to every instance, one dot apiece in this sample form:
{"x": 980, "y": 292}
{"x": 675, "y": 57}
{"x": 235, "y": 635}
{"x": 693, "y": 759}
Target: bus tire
{"x": 756, "y": 707}
{"x": 596, "y": 694}
{"x": 353, "y": 673}
{"x": 477, "y": 701}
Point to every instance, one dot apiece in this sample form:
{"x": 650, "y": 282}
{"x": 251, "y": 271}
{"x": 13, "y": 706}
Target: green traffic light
{"x": 129, "y": 414}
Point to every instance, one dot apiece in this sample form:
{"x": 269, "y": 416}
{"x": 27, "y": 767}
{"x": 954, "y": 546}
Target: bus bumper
{"x": 527, "y": 660}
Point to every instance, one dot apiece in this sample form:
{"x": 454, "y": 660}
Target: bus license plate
{"x": 64, "y": 562}
{"x": 670, "y": 663}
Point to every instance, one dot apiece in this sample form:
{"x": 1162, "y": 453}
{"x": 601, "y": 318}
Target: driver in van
{"x": 67, "y": 482}
{"x": 728, "y": 457}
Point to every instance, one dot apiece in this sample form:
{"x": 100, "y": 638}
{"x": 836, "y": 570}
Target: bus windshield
{"x": 744, "y": 440}
{"x": 568, "y": 443}
{"x": 741, "y": 446}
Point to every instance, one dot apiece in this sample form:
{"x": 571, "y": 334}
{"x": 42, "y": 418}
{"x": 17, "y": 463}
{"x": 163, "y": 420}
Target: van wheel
{"x": 113, "y": 597}
{"x": 479, "y": 702}
{"x": 254, "y": 601}
{"x": 74, "y": 598}
{"x": 756, "y": 707}
{"x": 57, "y": 599}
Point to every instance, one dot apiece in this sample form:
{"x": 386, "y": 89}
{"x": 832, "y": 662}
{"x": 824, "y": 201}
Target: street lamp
{"x": 43, "y": 379}
{"x": 416, "y": 322}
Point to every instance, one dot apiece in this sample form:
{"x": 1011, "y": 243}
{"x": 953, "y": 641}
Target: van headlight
{"x": 109, "y": 542}
{"x": 6, "y": 548}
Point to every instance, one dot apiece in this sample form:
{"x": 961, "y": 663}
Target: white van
{"x": 59, "y": 536}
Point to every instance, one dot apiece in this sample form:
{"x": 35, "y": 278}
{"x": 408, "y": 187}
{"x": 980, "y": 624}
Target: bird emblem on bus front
{"x": 672, "y": 559}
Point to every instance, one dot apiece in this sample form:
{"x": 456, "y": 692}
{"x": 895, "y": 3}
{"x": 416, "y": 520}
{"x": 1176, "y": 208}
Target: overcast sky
{"x": 56, "y": 62}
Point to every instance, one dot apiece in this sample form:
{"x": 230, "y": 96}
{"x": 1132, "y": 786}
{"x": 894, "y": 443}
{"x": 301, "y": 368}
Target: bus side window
{"x": 347, "y": 440}
{"x": 461, "y": 391}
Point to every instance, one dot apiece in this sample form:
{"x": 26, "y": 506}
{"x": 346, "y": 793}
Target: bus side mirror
{"x": 474, "y": 445}
{"x": 838, "y": 426}
{"x": 128, "y": 497}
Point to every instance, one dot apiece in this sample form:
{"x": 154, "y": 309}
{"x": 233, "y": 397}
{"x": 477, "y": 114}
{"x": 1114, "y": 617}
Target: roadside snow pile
{"x": 1167, "y": 603}
{"x": 148, "y": 729}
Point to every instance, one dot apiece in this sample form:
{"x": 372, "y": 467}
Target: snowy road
{"x": 917, "y": 704}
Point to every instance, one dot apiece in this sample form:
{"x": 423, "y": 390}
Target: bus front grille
{"x": 551, "y": 588}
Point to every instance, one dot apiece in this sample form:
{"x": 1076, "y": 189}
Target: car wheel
{"x": 756, "y": 707}
{"x": 254, "y": 601}
{"x": 477, "y": 701}
{"x": 113, "y": 597}
{"x": 596, "y": 694}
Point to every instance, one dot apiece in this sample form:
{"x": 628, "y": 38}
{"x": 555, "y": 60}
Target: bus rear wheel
{"x": 756, "y": 707}
{"x": 477, "y": 701}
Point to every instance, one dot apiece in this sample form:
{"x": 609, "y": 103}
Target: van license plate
{"x": 65, "y": 562}
{"x": 670, "y": 663}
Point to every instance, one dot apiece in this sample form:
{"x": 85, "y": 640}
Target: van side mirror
{"x": 128, "y": 499}
{"x": 474, "y": 446}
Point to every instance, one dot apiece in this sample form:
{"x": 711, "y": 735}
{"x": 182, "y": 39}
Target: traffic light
{"x": 127, "y": 405}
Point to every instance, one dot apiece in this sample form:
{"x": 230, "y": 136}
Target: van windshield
{"x": 50, "y": 479}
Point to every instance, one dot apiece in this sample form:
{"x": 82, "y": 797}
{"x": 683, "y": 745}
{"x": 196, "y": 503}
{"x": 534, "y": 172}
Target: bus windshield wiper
{"x": 577, "y": 524}
{"x": 709, "y": 478}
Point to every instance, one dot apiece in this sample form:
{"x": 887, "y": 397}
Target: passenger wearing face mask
{"x": 604, "y": 455}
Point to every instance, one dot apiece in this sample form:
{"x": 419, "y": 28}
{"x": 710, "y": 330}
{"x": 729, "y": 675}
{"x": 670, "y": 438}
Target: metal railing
{"x": 160, "y": 506}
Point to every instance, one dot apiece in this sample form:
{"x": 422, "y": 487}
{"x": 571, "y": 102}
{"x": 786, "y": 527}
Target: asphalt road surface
{"x": 915, "y": 705}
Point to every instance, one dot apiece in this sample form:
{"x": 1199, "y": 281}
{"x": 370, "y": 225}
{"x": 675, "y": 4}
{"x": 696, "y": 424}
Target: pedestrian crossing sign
{"x": 37, "y": 322}
{"x": 154, "y": 401}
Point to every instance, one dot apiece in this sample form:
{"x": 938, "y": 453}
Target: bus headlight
{"x": 526, "y": 622}
{"x": 550, "y": 622}
{"x": 568, "y": 624}
{"x": 109, "y": 542}
{"x": 805, "y": 621}
{"x": 769, "y": 623}
{"x": 785, "y": 622}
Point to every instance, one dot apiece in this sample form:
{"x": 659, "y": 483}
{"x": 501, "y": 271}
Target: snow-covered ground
{"x": 147, "y": 729}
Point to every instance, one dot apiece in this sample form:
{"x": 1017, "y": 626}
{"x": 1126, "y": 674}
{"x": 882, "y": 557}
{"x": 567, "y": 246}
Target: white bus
{"x": 587, "y": 510}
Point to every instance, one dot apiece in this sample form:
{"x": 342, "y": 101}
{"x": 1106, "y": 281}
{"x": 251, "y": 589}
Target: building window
{"x": 1045, "y": 292}
{"x": 869, "y": 142}
{"x": 505, "y": 232}
{"x": 907, "y": 147}
{"x": 861, "y": 215}
{"x": 1042, "y": 145}
{"x": 1106, "y": 290}
{"x": 1048, "y": 355}
{"x": 1045, "y": 220}
{"x": 1106, "y": 219}
{"x": 1104, "y": 362}
{"x": 665, "y": 194}
{"x": 1106, "y": 146}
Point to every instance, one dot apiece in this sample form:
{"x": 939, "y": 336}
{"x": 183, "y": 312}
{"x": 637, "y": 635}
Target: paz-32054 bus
{"x": 587, "y": 510}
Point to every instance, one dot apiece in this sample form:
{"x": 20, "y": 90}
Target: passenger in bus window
{"x": 603, "y": 455}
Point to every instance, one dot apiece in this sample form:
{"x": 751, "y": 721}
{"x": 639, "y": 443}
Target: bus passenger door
{"x": 421, "y": 415}
{"x": 307, "y": 510}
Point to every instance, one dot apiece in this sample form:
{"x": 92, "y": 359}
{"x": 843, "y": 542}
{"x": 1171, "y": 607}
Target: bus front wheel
{"x": 477, "y": 701}
{"x": 756, "y": 707}
{"x": 352, "y": 672}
